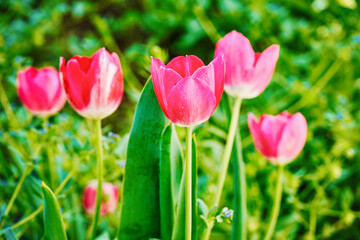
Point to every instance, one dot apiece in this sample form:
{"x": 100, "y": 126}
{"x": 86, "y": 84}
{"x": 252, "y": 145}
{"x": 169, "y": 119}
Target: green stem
{"x": 52, "y": 166}
{"x": 206, "y": 23}
{"x": 49, "y": 150}
{"x": 313, "y": 217}
{"x": 100, "y": 177}
{"x": 188, "y": 184}
{"x": 26, "y": 172}
{"x": 242, "y": 188}
{"x": 28, "y": 218}
{"x": 277, "y": 201}
{"x": 226, "y": 158}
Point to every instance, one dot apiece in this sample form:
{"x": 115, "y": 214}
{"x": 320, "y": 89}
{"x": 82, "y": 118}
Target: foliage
{"x": 317, "y": 74}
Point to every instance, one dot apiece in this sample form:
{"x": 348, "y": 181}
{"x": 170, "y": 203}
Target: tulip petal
{"x": 54, "y": 91}
{"x": 219, "y": 74}
{"x": 157, "y": 78}
{"x": 30, "y": 72}
{"x": 107, "y": 90}
{"x": 213, "y": 76}
{"x": 76, "y": 85}
{"x": 190, "y": 102}
{"x": 185, "y": 66}
{"x": 89, "y": 199}
{"x": 260, "y": 141}
{"x": 272, "y": 128}
{"x": 264, "y": 69}
{"x": 206, "y": 75}
{"x": 169, "y": 80}
{"x": 31, "y": 94}
{"x": 238, "y": 55}
{"x": 84, "y": 63}
{"x": 62, "y": 71}
{"x": 117, "y": 61}
{"x": 293, "y": 138}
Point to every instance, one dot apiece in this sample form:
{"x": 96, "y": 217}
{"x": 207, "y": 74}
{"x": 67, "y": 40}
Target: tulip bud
{"x": 247, "y": 73}
{"x": 187, "y": 90}
{"x": 278, "y": 138}
{"x": 40, "y": 90}
{"x": 94, "y": 85}
{"x": 110, "y": 197}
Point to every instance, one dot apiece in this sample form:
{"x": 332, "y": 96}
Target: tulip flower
{"x": 40, "y": 90}
{"x": 188, "y": 93}
{"x": 278, "y": 138}
{"x": 247, "y": 73}
{"x": 94, "y": 85}
{"x": 187, "y": 90}
{"x": 109, "y": 200}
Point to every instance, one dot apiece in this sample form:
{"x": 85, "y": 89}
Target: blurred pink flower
{"x": 94, "y": 85}
{"x": 40, "y": 90}
{"x": 187, "y": 90}
{"x": 247, "y": 73}
{"x": 110, "y": 198}
{"x": 278, "y": 138}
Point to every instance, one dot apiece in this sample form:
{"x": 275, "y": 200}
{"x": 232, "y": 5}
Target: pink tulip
{"x": 110, "y": 198}
{"x": 278, "y": 138}
{"x": 94, "y": 85}
{"x": 40, "y": 90}
{"x": 187, "y": 90}
{"x": 247, "y": 73}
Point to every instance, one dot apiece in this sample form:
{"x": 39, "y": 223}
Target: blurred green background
{"x": 318, "y": 74}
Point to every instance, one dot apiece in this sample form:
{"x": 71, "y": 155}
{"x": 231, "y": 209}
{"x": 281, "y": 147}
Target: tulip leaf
{"x": 194, "y": 170}
{"x": 238, "y": 217}
{"x": 177, "y": 160}
{"x": 53, "y": 222}
{"x": 9, "y": 234}
{"x": 140, "y": 214}
{"x": 179, "y": 227}
{"x": 166, "y": 201}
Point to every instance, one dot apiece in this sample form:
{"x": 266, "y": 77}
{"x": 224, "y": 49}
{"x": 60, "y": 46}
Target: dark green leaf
{"x": 53, "y": 222}
{"x": 166, "y": 206}
{"x": 9, "y": 234}
{"x": 176, "y": 165}
{"x": 179, "y": 227}
{"x": 238, "y": 165}
{"x": 140, "y": 214}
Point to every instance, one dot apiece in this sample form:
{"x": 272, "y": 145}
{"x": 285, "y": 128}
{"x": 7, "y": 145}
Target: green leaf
{"x": 166, "y": 201}
{"x": 177, "y": 161}
{"x": 9, "y": 234}
{"x": 53, "y": 222}
{"x": 140, "y": 214}
{"x": 194, "y": 229}
{"x": 179, "y": 227}
{"x": 238, "y": 218}
{"x": 202, "y": 208}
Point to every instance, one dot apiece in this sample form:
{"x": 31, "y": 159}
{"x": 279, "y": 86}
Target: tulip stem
{"x": 225, "y": 159}
{"x": 188, "y": 184}
{"x": 242, "y": 176}
{"x": 100, "y": 177}
{"x": 277, "y": 201}
{"x": 27, "y": 171}
{"x": 49, "y": 150}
